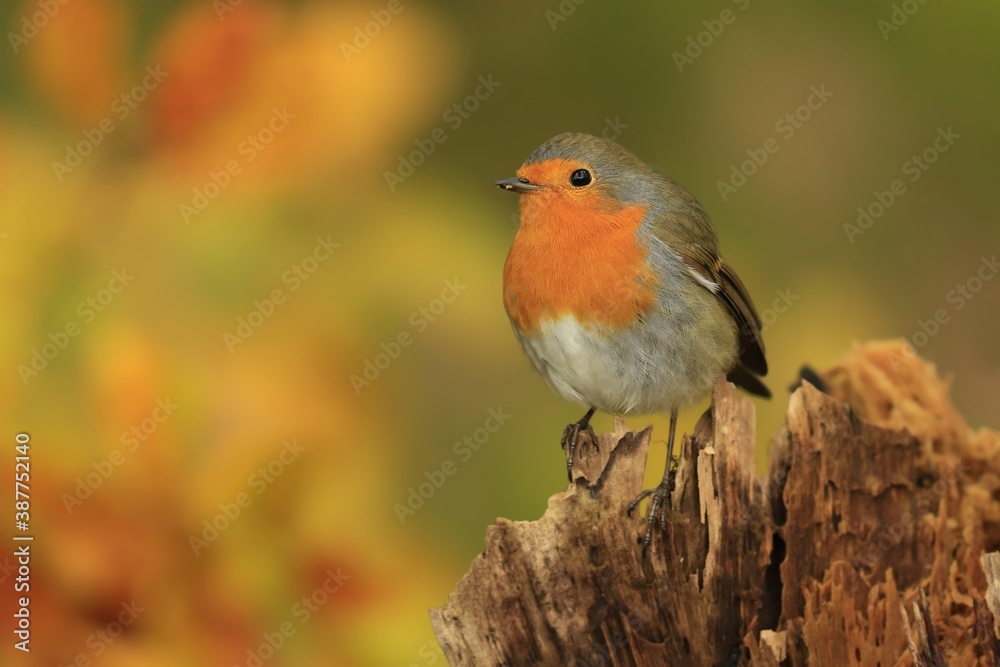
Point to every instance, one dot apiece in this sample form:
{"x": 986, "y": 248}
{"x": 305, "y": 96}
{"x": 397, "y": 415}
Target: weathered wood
{"x": 988, "y": 615}
{"x": 573, "y": 588}
{"x": 864, "y": 545}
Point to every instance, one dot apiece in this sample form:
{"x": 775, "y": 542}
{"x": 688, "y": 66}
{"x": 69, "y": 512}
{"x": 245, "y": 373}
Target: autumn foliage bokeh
{"x": 127, "y": 534}
{"x": 315, "y": 353}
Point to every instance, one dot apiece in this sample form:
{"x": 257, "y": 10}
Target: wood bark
{"x": 869, "y": 541}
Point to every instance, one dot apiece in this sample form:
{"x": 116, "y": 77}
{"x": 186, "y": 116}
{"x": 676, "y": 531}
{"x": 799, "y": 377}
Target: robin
{"x": 617, "y": 294}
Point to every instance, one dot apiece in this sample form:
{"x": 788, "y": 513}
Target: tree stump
{"x": 867, "y": 543}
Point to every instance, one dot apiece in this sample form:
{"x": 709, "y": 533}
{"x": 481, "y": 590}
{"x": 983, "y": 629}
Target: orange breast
{"x": 576, "y": 255}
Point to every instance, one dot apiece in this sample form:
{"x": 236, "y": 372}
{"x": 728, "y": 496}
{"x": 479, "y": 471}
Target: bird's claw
{"x": 569, "y": 441}
{"x": 657, "y": 510}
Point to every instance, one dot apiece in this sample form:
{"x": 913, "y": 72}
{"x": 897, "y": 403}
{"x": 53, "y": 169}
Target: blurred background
{"x": 251, "y": 257}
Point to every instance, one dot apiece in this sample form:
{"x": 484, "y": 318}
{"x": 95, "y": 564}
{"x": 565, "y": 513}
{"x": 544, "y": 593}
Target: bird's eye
{"x": 580, "y": 178}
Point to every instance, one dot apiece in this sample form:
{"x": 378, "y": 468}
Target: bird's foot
{"x": 569, "y": 441}
{"x": 658, "y": 505}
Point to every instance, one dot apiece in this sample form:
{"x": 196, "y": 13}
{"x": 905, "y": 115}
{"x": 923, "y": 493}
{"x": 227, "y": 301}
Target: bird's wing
{"x": 707, "y": 264}
{"x": 686, "y": 220}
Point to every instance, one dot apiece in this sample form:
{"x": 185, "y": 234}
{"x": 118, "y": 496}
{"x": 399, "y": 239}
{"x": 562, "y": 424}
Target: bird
{"x": 618, "y": 295}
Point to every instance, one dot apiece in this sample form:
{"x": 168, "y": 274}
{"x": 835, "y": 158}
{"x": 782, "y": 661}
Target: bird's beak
{"x": 520, "y": 185}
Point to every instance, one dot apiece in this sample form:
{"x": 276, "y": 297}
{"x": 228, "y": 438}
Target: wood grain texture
{"x": 867, "y": 543}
